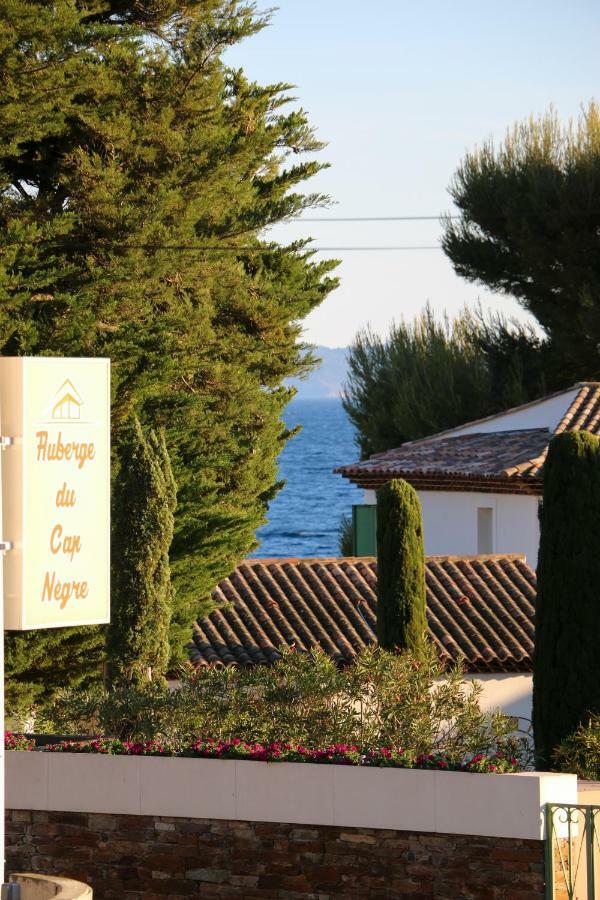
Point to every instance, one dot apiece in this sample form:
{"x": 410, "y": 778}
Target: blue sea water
{"x": 304, "y": 518}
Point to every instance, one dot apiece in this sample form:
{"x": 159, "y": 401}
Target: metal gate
{"x": 572, "y": 852}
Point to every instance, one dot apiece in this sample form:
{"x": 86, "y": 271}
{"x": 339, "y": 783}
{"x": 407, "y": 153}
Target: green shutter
{"x": 364, "y": 530}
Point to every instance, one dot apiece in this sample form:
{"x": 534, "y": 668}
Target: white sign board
{"x": 55, "y": 491}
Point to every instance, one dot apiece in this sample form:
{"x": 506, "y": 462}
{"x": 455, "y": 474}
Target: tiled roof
{"x": 497, "y": 456}
{"x": 480, "y": 608}
{"x": 500, "y": 461}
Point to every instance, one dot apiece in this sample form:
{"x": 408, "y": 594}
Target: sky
{"x": 400, "y": 91}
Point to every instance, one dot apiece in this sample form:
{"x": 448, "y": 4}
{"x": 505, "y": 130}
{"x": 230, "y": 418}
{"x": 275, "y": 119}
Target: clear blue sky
{"x": 399, "y": 91}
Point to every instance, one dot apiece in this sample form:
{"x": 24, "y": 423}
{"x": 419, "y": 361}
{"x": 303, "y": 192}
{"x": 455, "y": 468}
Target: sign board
{"x": 55, "y": 491}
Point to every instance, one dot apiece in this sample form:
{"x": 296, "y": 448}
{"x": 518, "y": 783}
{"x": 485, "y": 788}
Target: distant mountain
{"x": 327, "y": 379}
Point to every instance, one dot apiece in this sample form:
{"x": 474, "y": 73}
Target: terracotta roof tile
{"x": 500, "y": 461}
{"x": 479, "y": 608}
{"x": 499, "y": 455}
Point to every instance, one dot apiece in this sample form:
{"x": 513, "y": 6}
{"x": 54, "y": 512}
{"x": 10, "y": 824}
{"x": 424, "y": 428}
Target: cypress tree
{"x": 137, "y": 174}
{"x": 141, "y": 589}
{"x": 401, "y": 595}
{"x": 566, "y": 674}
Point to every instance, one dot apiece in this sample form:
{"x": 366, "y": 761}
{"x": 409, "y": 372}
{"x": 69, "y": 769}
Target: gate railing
{"x": 572, "y": 852}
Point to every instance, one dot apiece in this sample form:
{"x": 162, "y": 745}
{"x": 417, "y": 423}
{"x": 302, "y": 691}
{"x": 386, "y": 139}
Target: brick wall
{"x": 165, "y": 858}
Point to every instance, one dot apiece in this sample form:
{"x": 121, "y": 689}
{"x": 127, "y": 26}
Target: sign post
{"x": 55, "y": 511}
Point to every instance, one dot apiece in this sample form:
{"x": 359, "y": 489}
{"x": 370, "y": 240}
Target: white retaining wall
{"x": 299, "y": 793}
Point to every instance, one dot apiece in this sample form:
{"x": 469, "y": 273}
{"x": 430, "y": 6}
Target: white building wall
{"x": 510, "y": 693}
{"x": 450, "y": 517}
{"x": 539, "y": 414}
{"x": 450, "y": 522}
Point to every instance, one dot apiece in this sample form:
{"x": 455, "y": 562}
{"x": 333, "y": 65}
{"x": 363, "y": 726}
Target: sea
{"x": 304, "y": 519}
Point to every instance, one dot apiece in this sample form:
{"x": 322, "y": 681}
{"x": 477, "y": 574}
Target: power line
{"x": 377, "y": 249}
{"x": 298, "y": 218}
{"x": 367, "y": 219}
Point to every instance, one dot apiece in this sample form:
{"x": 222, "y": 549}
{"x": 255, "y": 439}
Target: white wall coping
{"x": 295, "y": 793}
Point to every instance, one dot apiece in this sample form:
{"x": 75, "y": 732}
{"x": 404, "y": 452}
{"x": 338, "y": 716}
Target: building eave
{"x": 492, "y": 484}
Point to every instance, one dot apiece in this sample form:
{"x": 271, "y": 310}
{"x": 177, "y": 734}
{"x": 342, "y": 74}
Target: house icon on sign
{"x": 67, "y": 402}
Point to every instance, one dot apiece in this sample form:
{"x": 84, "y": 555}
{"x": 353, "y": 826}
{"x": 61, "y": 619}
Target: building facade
{"x": 480, "y": 484}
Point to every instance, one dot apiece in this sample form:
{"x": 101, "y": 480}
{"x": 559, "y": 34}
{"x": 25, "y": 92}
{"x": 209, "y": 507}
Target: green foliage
{"x": 345, "y": 537}
{"x": 39, "y": 664}
{"x": 136, "y": 174}
{"x": 529, "y": 227}
{"x": 42, "y": 49}
{"x": 580, "y": 752}
{"x": 566, "y": 675}
{"x": 141, "y": 590}
{"x": 401, "y": 595}
{"x": 384, "y": 699}
{"x": 429, "y": 375}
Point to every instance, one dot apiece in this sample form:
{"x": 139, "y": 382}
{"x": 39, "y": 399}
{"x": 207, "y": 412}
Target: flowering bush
{"x": 276, "y": 751}
{"x": 279, "y": 751}
{"x": 110, "y": 747}
{"x": 499, "y": 763}
{"x": 17, "y": 741}
{"x": 349, "y": 755}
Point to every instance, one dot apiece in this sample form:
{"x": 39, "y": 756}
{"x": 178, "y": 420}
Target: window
{"x": 485, "y": 529}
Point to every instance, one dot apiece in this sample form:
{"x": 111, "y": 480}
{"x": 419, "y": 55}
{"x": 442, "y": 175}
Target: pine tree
{"x": 430, "y": 374}
{"x": 141, "y": 589}
{"x": 130, "y": 212}
{"x": 529, "y": 227}
{"x": 401, "y": 595}
{"x": 566, "y": 675}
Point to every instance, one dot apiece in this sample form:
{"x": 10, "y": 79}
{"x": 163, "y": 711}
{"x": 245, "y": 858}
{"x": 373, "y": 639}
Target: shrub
{"x": 346, "y": 536}
{"x": 401, "y": 700}
{"x": 580, "y": 751}
{"x": 136, "y": 713}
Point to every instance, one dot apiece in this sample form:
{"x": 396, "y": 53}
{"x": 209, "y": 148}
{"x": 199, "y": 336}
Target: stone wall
{"x": 168, "y": 858}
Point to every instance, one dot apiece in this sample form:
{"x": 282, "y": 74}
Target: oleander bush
{"x": 580, "y": 751}
{"x": 405, "y": 700}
